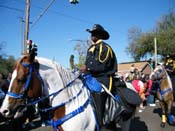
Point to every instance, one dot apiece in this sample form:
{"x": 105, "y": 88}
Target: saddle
{"x": 123, "y": 108}
{"x": 107, "y": 108}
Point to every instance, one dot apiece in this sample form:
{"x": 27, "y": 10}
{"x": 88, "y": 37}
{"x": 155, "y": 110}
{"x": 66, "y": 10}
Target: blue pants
{"x": 150, "y": 99}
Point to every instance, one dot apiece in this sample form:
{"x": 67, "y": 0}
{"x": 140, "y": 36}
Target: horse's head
{"x": 25, "y": 85}
{"x": 158, "y": 73}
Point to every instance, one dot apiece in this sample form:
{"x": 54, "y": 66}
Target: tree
{"x": 71, "y": 61}
{"x": 165, "y": 34}
{"x": 166, "y": 22}
{"x": 141, "y": 44}
{"x": 7, "y": 64}
{"x": 81, "y": 48}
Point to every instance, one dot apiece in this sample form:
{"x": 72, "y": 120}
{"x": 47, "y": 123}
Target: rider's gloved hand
{"x": 82, "y": 69}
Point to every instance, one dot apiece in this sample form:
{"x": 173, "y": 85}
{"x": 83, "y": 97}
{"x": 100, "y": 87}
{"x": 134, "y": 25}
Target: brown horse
{"x": 164, "y": 93}
{"x": 25, "y": 85}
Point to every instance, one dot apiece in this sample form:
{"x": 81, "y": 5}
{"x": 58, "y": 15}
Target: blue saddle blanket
{"x": 92, "y": 83}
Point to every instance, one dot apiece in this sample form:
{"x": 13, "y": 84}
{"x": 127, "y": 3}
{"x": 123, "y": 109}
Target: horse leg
{"x": 45, "y": 116}
{"x": 171, "y": 118}
{"x": 164, "y": 119}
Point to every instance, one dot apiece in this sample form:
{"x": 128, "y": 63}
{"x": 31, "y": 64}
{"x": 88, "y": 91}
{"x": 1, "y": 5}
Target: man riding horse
{"x": 170, "y": 68}
{"x": 101, "y": 63}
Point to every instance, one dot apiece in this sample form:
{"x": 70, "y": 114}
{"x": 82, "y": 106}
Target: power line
{"x": 62, "y": 14}
{"x": 71, "y": 17}
{"x": 43, "y": 12}
{"x": 11, "y": 8}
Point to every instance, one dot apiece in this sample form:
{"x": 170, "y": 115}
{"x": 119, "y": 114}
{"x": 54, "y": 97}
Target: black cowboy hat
{"x": 98, "y": 29}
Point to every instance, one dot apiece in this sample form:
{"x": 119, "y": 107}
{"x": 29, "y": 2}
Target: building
{"x": 142, "y": 66}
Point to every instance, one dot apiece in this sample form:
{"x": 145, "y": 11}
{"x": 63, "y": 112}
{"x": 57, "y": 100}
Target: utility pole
{"x": 22, "y": 40}
{"x": 155, "y": 50}
{"x": 26, "y": 30}
{"x": 27, "y": 16}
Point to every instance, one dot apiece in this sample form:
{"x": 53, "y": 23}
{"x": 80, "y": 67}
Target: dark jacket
{"x": 170, "y": 69}
{"x": 101, "y": 62}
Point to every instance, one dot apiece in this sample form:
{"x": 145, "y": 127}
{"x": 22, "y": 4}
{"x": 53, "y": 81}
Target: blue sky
{"x": 64, "y": 21}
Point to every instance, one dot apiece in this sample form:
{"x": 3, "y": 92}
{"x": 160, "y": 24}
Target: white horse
{"x": 57, "y": 78}
{"x": 68, "y": 96}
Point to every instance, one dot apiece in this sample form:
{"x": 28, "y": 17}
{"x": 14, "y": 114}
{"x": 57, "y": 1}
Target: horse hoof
{"x": 162, "y": 125}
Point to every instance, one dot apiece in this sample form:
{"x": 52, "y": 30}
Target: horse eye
{"x": 21, "y": 80}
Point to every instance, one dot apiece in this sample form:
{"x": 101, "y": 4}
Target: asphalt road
{"x": 148, "y": 120}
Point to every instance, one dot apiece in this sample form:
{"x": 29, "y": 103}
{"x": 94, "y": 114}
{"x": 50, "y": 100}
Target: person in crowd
{"x": 101, "y": 63}
{"x": 4, "y": 84}
{"x": 140, "y": 89}
{"x": 150, "y": 92}
{"x": 132, "y": 71}
{"x": 169, "y": 66}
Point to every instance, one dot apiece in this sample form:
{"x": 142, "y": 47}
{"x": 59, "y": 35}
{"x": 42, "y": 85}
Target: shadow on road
{"x": 15, "y": 126}
{"x": 138, "y": 125}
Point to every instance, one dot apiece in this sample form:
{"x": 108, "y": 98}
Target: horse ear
{"x": 32, "y": 55}
{"x": 33, "y": 48}
{"x": 37, "y": 64}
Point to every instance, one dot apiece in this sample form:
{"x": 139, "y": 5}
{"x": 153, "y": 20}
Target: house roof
{"x": 142, "y": 66}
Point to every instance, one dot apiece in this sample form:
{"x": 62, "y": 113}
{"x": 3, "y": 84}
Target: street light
{"x": 74, "y": 1}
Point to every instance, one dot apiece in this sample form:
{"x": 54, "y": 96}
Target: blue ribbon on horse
{"x": 91, "y": 83}
{"x": 171, "y": 119}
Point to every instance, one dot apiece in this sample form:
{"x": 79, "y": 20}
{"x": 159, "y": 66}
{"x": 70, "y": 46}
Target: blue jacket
{"x": 101, "y": 62}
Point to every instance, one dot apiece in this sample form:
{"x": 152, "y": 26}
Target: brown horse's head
{"x": 163, "y": 84}
{"x": 26, "y": 84}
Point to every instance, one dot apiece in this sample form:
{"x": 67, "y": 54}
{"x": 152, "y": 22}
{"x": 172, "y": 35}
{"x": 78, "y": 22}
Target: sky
{"x": 58, "y": 30}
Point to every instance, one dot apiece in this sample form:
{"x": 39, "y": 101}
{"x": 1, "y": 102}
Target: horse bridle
{"x": 162, "y": 92}
{"x": 32, "y": 68}
{"x": 157, "y": 74}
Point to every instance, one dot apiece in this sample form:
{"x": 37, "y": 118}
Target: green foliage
{"x": 141, "y": 44}
{"x": 71, "y": 61}
{"x": 81, "y": 49}
{"x": 7, "y": 64}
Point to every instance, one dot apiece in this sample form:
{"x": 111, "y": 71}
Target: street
{"x": 148, "y": 120}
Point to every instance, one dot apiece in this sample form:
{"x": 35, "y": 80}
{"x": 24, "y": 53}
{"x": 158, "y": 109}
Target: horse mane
{"x": 163, "y": 68}
{"x": 66, "y": 74}
{"x": 57, "y": 77}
